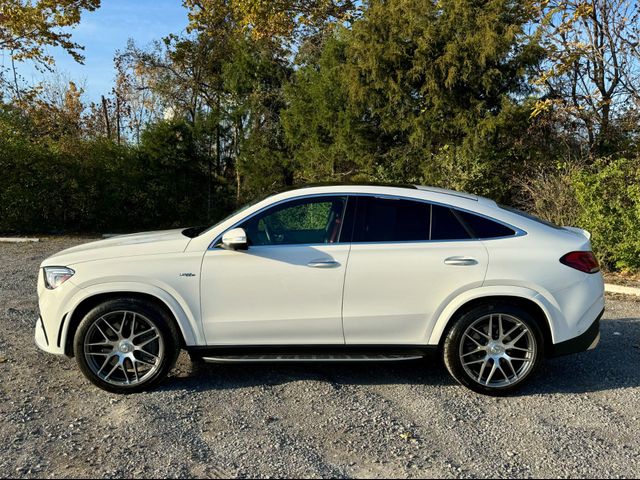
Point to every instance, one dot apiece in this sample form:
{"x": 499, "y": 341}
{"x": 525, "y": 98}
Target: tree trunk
{"x": 236, "y": 141}
{"x": 105, "y": 110}
{"x": 118, "y": 118}
{"x": 15, "y": 76}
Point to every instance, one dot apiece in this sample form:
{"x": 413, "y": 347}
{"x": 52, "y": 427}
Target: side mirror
{"x": 235, "y": 239}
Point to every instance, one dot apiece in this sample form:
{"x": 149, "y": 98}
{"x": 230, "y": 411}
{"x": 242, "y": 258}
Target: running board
{"x": 311, "y": 358}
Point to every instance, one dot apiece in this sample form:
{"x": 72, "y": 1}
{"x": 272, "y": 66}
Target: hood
{"x": 146, "y": 243}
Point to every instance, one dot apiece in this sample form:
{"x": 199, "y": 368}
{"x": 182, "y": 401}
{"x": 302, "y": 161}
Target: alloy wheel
{"x": 124, "y": 348}
{"x": 497, "y": 350}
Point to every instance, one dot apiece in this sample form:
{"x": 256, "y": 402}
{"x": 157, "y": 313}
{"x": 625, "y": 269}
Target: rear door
{"x": 407, "y": 257}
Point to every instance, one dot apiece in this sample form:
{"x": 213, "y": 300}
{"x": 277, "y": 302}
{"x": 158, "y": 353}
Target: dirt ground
{"x": 578, "y": 418}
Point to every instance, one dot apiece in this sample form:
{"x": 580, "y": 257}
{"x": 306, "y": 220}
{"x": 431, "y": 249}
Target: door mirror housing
{"x": 235, "y": 239}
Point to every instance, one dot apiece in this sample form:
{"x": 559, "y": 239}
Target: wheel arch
{"x": 527, "y": 299}
{"x": 162, "y": 299}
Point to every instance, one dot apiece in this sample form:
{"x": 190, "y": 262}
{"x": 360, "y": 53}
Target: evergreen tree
{"x": 416, "y": 91}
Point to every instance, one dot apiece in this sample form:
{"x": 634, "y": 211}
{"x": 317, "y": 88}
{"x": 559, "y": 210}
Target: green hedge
{"x": 94, "y": 185}
{"x": 609, "y": 196}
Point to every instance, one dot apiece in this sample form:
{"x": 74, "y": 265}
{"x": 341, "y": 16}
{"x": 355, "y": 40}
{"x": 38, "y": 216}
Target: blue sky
{"x": 106, "y": 30}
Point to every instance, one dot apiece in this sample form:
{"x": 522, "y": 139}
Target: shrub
{"x": 609, "y": 195}
{"x": 549, "y": 194}
{"x": 71, "y": 184}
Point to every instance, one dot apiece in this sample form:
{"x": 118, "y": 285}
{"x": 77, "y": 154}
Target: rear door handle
{"x": 323, "y": 264}
{"x": 460, "y": 261}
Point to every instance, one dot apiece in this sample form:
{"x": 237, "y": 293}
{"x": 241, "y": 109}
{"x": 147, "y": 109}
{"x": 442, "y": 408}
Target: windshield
{"x": 239, "y": 210}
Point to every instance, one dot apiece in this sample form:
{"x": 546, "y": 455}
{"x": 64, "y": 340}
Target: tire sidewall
{"x": 454, "y": 337}
{"x": 154, "y": 314}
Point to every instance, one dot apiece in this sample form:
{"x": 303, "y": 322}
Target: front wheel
{"x": 126, "y": 345}
{"x": 493, "y": 349}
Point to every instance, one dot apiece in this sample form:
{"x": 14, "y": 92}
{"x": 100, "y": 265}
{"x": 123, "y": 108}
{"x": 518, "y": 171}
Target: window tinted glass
{"x": 530, "y": 216}
{"x": 390, "y": 220}
{"x": 485, "y": 228}
{"x": 311, "y": 220}
{"x": 246, "y": 206}
{"x": 445, "y": 225}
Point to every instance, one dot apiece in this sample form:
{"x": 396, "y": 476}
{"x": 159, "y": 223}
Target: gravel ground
{"x": 578, "y": 418}
{"x": 626, "y": 279}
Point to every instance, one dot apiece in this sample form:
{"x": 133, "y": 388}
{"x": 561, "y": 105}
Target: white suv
{"x": 363, "y": 273}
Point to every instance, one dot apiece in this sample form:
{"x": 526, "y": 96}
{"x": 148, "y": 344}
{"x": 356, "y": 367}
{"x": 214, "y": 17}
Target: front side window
{"x": 305, "y": 221}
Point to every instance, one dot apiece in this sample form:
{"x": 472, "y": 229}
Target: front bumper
{"x": 53, "y": 306}
{"x": 41, "y": 338}
{"x": 587, "y": 341}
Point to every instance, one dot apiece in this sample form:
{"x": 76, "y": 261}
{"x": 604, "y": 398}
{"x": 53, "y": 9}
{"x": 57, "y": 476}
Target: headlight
{"x": 56, "y": 276}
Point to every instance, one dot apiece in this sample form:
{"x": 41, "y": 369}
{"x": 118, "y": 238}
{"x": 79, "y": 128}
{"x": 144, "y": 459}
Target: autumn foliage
{"x": 533, "y": 103}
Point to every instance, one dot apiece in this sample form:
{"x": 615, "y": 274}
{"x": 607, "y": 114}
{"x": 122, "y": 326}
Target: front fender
{"x": 185, "y": 318}
{"x": 450, "y": 307}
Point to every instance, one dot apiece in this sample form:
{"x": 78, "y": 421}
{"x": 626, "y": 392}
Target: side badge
{"x": 188, "y": 274}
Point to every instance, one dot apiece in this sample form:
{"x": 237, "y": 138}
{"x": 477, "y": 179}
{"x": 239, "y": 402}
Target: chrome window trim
{"x": 518, "y": 231}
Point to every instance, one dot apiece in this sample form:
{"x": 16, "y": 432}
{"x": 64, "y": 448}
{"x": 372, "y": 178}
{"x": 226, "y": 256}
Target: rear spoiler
{"x": 579, "y": 231}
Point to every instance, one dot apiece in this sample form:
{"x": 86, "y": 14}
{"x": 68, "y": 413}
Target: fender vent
{"x": 61, "y": 328}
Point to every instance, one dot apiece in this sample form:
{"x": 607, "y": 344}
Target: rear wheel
{"x": 493, "y": 349}
{"x": 126, "y": 345}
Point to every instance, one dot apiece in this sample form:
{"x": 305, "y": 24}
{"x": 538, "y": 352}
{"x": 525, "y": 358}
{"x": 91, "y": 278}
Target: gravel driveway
{"x": 579, "y": 417}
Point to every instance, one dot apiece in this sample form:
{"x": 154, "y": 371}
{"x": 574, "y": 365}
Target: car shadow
{"x": 615, "y": 364}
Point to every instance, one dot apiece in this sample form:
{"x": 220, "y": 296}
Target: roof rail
{"x": 446, "y": 191}
{"x": 352, "y": 184}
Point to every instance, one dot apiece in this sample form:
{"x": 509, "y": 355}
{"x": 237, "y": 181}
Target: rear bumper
{"x": 587, "y": 341}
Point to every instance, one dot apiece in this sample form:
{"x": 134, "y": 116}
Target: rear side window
{"x": 482, "y": 227}
{"x": 391, "y": 220}
{"x": 397, "y": 220}
{"x": 446, "y": 226}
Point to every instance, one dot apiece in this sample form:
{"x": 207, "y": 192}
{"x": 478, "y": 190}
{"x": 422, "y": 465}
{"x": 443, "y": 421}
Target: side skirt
{"x": 311, "y": 353}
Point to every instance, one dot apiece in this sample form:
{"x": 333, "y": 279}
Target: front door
{"x": 286, "y": 289}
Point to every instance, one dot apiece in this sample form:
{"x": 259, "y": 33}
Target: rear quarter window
{"x": 483, "y": 227}
{"x": 529, "y": 216}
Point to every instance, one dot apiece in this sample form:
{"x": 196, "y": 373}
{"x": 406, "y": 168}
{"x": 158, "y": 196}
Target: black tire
{"x": 150, "y": 312}
{"x": 452, "y": 350}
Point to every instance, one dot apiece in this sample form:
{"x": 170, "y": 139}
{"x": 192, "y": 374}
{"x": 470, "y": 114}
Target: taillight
{"x": 583, "y": 261}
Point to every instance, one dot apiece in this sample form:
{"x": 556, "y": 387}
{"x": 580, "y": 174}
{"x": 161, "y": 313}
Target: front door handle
{"x": 323, "y": 264}
{"x": 460, "y": 261}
